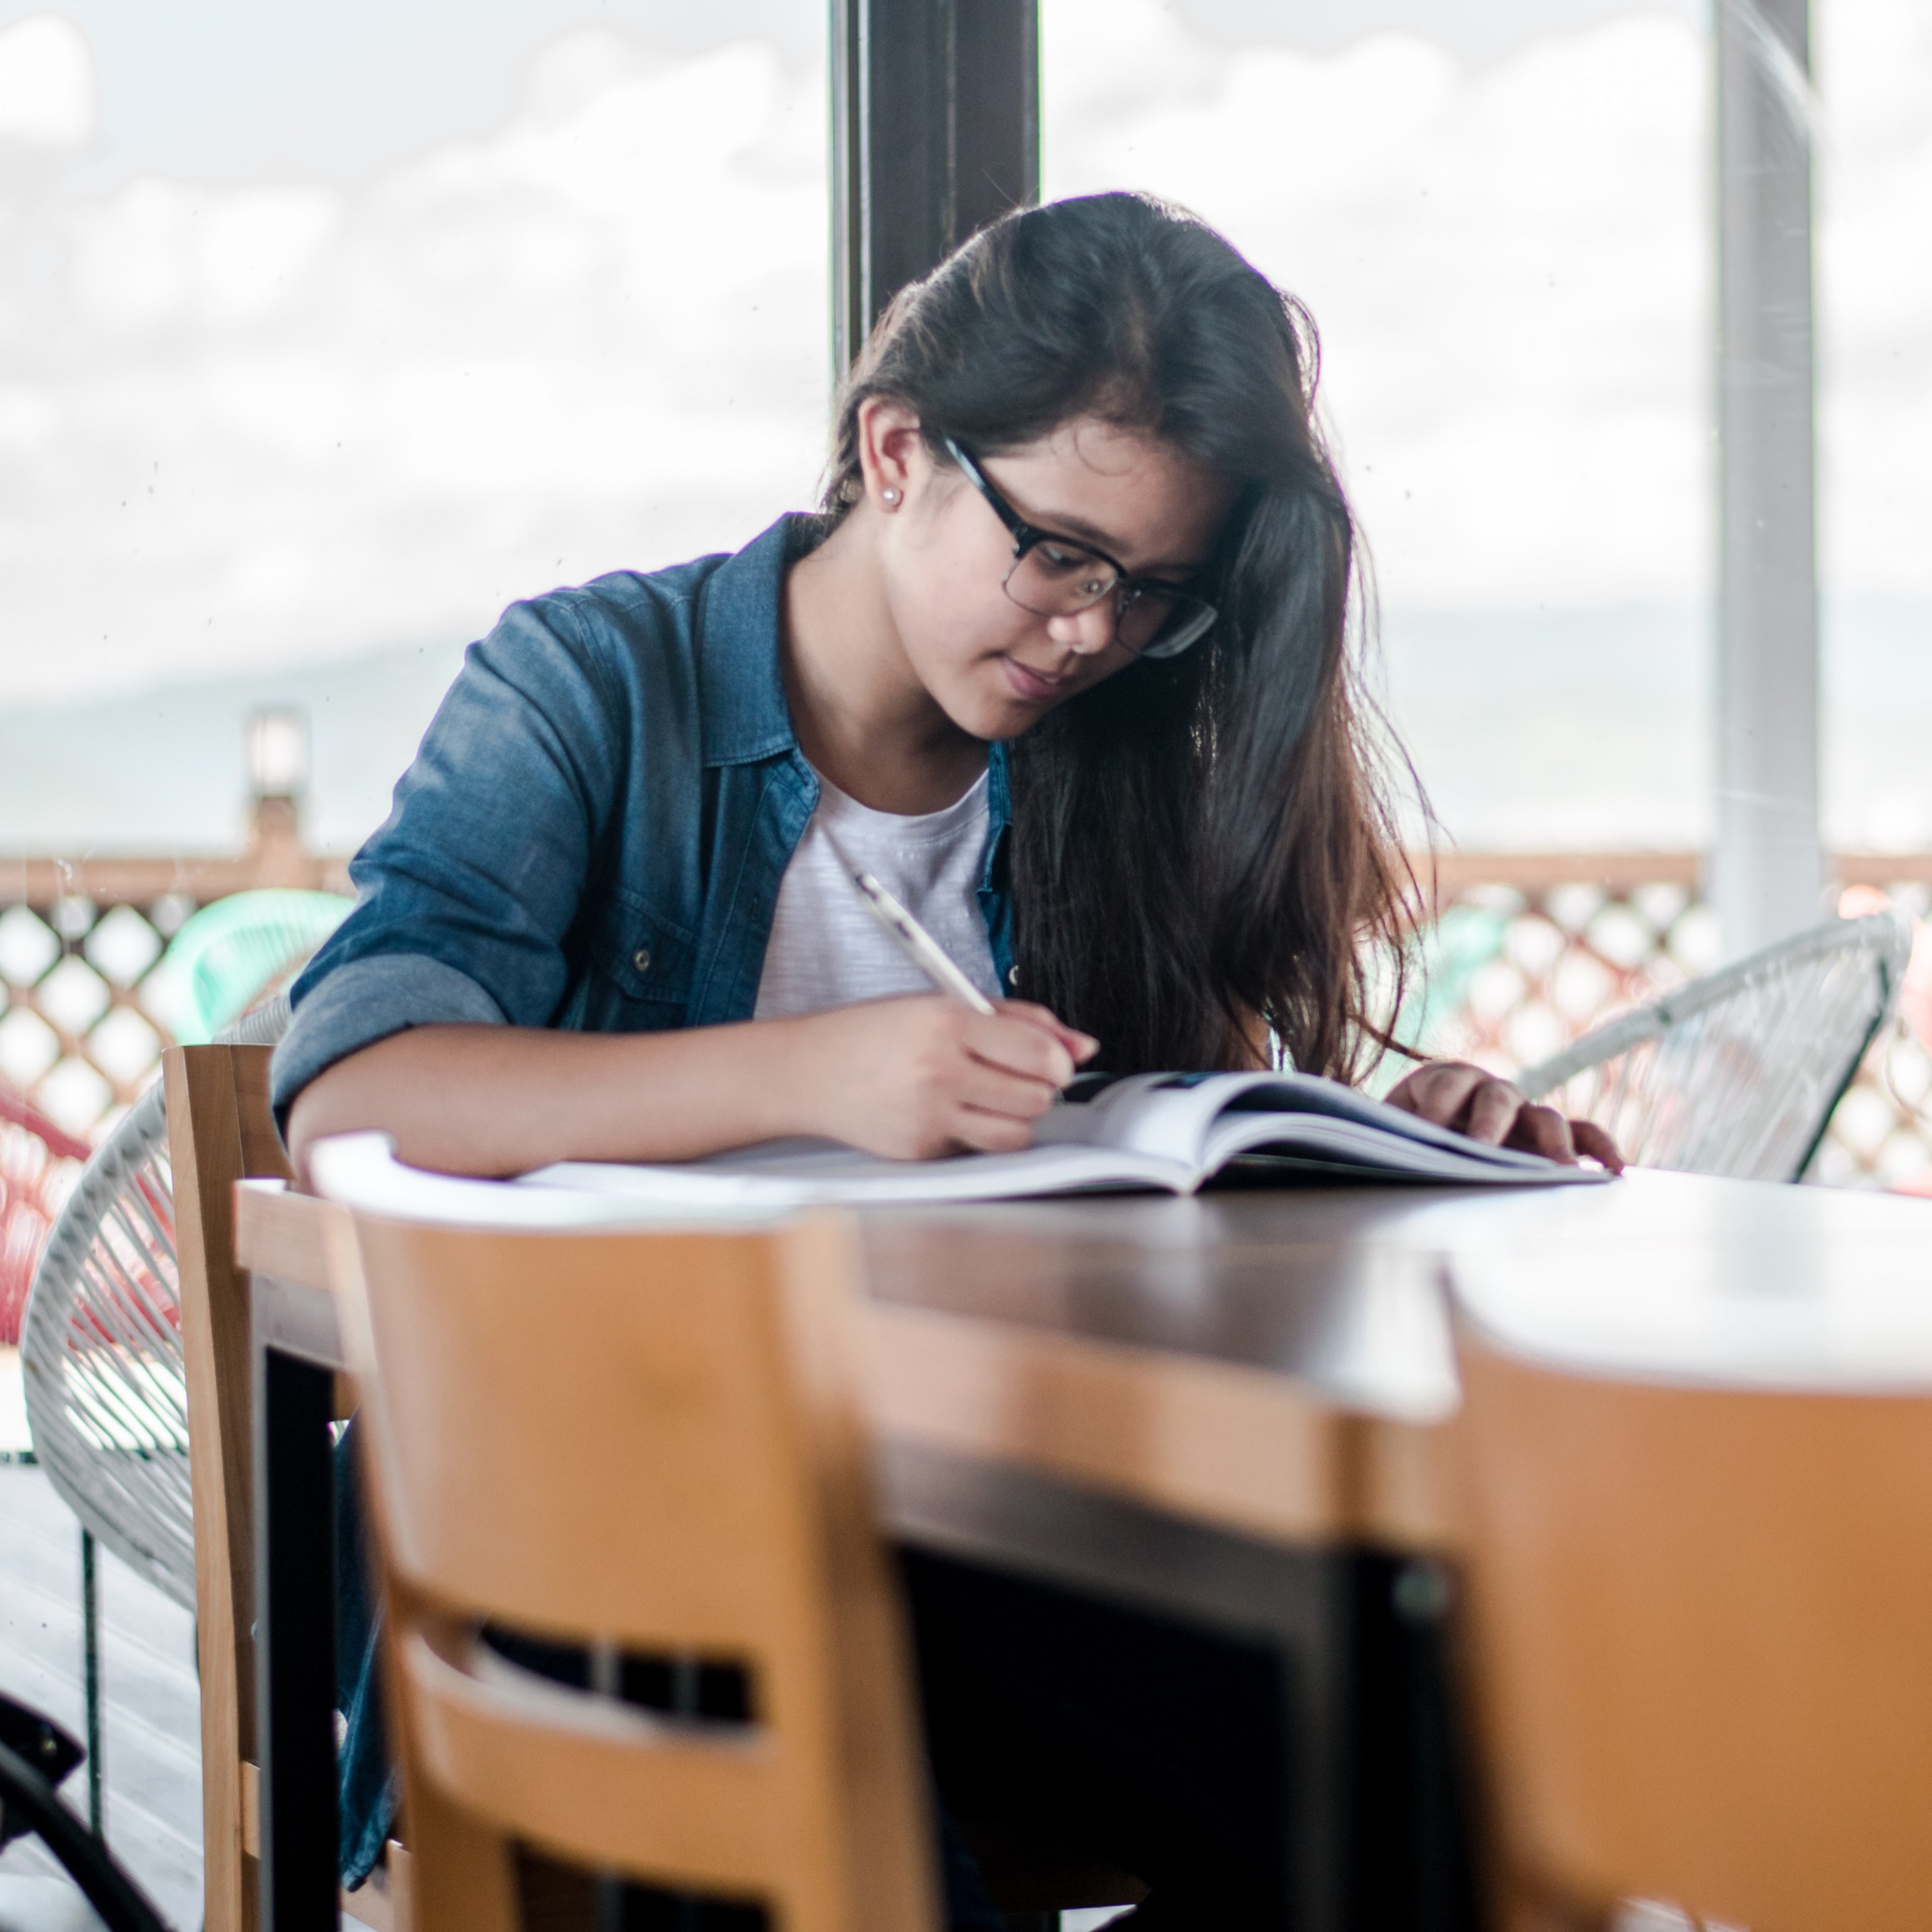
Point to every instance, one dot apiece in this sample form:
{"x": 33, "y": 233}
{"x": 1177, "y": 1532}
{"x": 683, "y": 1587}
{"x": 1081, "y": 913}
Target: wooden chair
{"x": 221, "y": 1130}
{"x": 645, "y": 1445}
{"x": 1700, "y": 1623}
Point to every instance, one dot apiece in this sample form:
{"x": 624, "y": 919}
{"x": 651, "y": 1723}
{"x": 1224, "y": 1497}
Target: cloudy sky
{"x": 320, "y": 333}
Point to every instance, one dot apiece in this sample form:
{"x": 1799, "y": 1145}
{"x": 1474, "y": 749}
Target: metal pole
{"x": 90, "y": 1669}
{"x": 935, "y": 132}
{"x": 1769, "y": 873}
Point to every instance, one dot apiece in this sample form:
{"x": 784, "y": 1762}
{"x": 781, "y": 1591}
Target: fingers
{"x": 1492, "y": 1113}
{"x": 1082, "y": 1046}
{"x": 1454, "y": 1094}
{"x": 1439, "y": 1091}
{"x": 1542, "y": 1130}
{"x": 917, "y": 1077}
{"x": 1594, "y": 1140}
{"x": 1020, "y": 1044}
{"x": 1017, "y": 1062}
{"x": 996, "y": 1090}
{"x": 977, "y": 1132}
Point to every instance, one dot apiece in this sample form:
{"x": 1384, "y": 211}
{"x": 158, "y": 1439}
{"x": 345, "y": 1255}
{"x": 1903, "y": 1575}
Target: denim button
{"x": 1012, "y": 975}
{"x": 641, "y": 959}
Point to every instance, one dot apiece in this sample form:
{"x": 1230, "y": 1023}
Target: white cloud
{"x": 1511, "y": 269}
{"x": 28, "y": 417}
{"x": 48, "y": 95}
{"x": 1507, "y": 267}
{"x": 163, "y": 253}
{"x": 248, "y": 426}
{"x": 285, "y": 421}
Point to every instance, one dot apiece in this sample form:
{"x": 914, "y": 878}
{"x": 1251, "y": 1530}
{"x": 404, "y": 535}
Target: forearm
{"x": 496, "y": 1100}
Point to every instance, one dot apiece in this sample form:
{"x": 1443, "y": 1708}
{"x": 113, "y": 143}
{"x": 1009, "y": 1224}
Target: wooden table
{"x": 1233, "y": 1412}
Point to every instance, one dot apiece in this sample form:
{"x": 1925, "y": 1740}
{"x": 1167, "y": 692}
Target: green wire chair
{"x": 234, "y": 953}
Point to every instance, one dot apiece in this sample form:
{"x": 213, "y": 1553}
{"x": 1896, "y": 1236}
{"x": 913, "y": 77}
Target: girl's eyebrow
{"x": 1078, "y": 527}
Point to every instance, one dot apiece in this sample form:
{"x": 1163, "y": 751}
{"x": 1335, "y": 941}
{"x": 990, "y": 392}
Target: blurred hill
{"x": 1531, "y": 730}
{"x": 163, "y": 770}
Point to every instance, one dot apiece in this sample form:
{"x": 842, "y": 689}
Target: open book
{"x": 1168, "y": 1131}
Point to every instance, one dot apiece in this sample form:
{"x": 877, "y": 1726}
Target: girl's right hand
{"x": 914, "y": 1077}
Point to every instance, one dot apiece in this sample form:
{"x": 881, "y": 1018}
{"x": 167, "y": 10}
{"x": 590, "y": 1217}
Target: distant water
{"x": 1593, "y": 729}
{"x": 1531, "y": 730}
{"x": 1557, "y": 729}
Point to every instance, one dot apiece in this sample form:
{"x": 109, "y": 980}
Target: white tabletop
{"x": 1679, "y": 1278}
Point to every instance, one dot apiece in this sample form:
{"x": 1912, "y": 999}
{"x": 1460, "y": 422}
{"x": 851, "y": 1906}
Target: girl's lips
{"x": 1032, "y": 685}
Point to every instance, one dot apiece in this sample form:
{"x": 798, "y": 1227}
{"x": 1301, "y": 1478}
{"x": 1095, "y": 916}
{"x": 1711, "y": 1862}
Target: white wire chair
{"x": 1737, "y": 1073}
{"x": 101, "y": 1347}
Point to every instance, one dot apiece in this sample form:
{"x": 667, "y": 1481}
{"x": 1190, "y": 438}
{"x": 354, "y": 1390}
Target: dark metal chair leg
{"x": 27, "y": 1801}
{"x": 90, "y": 1663}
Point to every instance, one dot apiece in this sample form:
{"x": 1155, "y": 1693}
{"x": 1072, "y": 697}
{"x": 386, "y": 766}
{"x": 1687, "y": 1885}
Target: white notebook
{"x": 1172, "y": 1132}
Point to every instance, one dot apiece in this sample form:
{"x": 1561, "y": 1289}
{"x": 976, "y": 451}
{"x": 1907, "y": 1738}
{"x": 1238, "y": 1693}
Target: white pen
{"x": 911, "y": 938}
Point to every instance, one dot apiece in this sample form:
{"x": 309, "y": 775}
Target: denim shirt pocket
{"x": 642, "y": 966}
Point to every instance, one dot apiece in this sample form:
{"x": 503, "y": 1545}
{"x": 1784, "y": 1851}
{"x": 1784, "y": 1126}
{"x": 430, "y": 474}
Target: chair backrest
{"x": 647, "y": 1444}
{"x": 221, "y": 1130}
{"x": 38, "y": 1161}
{"x": 1700, "y": 1622}
{"x": 1737, "y": 1073}
{"x": 100, "y": 1347}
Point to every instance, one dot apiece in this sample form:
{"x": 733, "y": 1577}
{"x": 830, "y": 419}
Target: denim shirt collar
{"x": 999, "y": 819}
{"x": 746, "y": 717}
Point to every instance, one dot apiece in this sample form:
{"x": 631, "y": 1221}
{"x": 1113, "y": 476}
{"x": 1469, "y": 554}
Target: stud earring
{"x": 891, "y": 497}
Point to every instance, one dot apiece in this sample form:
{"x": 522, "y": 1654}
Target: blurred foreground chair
{"x": 1700, "y": 1623}
{"x": 669, "y": 1464}
{"x": 220, "y": 1129}
{"x": 1737, "y": 1073}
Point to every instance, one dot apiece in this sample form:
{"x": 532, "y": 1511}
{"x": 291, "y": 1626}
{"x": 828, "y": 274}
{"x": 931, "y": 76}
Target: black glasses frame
{"x": 1126, "y": 591}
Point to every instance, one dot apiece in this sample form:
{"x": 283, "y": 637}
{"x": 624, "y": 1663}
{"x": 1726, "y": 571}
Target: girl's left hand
{"x": 1453, "y": 1094}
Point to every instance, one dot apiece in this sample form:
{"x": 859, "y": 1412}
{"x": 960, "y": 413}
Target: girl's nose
{"x": 1085, "y": 633}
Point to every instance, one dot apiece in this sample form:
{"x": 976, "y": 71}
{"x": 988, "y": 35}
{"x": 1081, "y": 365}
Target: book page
{"x": 813, "y": 1171}
{"x": 1327, "y": 1141}
{"x": 1206, "y": 1120}
{"x": 1167, "y": 1115}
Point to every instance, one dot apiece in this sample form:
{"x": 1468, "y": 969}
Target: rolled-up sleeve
{"x": 467, "y": 893}
{"x": 364, "y": 1001}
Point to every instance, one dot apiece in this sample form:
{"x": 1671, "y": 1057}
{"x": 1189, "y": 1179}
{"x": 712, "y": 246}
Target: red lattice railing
{"x": 82, "y": 1027}
{"x": 1530, "y": 951}
{"x": 39, "y": 1163}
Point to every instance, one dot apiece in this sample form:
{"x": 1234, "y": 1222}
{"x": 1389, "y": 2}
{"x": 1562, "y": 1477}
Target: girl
{"x": 1063, "y": 659}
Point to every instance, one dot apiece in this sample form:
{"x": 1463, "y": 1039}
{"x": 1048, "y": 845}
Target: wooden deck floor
{"x": 151, "y": 1725}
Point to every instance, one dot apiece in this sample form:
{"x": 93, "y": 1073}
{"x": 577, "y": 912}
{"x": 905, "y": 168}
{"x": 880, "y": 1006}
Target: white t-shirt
{"x": 826, "y": 948}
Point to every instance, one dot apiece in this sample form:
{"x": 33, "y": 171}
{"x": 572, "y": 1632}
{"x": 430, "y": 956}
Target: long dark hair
{"x": 1202, "y": 846}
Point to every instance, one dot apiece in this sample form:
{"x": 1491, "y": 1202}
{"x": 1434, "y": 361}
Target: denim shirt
{"x": 593, "y": 832}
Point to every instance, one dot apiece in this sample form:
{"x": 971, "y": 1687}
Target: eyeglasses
{"x": 1054, "y": 577}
